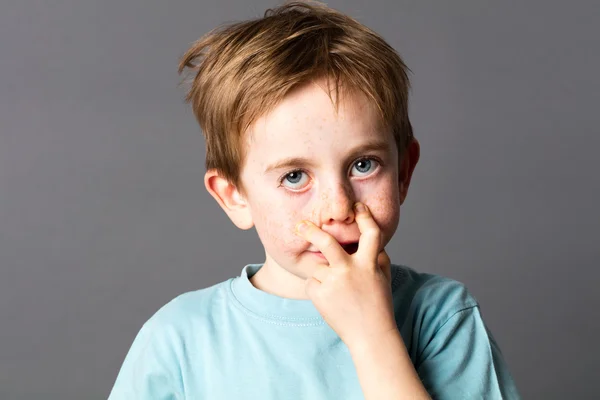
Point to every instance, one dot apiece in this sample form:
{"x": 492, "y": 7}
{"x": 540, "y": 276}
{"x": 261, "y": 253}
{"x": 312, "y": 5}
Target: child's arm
{"x": 385, "y": 370}
{"x": 353, "y": 293}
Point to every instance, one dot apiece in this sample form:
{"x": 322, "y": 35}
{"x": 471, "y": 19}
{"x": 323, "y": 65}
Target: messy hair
{"x": 244, "y": 69}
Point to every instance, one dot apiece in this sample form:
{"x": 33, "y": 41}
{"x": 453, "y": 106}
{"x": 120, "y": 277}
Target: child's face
{"x": 305, "y": 125}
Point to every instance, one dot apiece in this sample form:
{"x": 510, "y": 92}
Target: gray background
{"x": 104, "y": 216}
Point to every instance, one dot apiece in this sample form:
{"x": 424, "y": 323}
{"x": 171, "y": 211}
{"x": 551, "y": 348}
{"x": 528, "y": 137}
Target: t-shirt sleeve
{"x": 150, "y": 369}
{"x": 463, "y": 361}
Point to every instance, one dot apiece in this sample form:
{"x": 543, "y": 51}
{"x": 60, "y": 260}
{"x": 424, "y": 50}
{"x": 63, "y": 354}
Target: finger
{"x": 311, "y": 286}
{"x": 321, "y": 273}
{"x": 327, "y": 245}
{"x": 384, "y": 262}
{"x": 370, "y": 234}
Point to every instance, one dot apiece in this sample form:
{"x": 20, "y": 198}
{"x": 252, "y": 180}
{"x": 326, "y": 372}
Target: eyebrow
{"x": 373, "y": 145}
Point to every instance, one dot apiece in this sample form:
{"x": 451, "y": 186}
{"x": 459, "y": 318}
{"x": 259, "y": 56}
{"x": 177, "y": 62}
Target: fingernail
{"x": 359, "y": 207}
{"x": 301, "y": 227}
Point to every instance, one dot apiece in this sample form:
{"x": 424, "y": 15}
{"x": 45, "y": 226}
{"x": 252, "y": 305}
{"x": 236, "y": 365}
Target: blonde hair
{"x": 244, "y": 69}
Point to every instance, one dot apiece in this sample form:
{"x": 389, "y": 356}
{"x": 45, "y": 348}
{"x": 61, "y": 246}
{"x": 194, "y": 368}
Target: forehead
{"x": 308, "y": 117}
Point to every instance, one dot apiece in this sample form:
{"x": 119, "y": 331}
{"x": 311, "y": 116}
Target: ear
{"x": 406, "y": 167}
{"x": 230, "y": 199}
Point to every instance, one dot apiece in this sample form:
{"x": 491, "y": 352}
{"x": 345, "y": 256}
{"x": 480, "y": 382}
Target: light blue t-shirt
{"x": 234, "y": 341}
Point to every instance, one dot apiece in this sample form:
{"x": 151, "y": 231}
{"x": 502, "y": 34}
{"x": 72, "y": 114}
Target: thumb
{"x": 384, "y": 262}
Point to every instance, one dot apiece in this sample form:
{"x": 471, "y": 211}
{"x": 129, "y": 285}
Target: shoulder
{"x": 433, "y": 297}
{"x": 153, "y": 365}
{"x": 427, "y": 289}
{"x": 164, "y": 335}
{"x": 186, "y": 309}
{"x": 450, "y": 345}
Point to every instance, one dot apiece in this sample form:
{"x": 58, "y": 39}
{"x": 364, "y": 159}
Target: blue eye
{"x": 364, "y": 166}
{"x": 293, "y": 175}
{"x": 364, "y": 161}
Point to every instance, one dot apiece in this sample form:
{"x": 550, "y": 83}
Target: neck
{"x": 276, "y": 281}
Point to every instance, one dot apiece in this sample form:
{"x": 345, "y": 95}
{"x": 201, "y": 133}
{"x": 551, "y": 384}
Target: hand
{"x": 353, "y": 293}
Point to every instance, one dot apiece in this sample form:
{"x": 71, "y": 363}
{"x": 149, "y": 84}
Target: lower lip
{"x": 318, "y": 254}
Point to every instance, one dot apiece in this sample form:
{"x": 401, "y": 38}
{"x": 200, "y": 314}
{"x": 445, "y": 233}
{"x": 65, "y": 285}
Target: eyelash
{"x": 377, "y": 159}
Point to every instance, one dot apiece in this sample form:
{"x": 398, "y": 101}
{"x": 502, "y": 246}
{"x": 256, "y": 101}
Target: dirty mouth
{"x": 351, "y": 248}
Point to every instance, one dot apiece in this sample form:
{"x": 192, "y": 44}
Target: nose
{"x": 338, "y": 204}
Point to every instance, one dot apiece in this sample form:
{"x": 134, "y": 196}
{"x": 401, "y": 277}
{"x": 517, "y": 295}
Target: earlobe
{"x": 229, "y": 198}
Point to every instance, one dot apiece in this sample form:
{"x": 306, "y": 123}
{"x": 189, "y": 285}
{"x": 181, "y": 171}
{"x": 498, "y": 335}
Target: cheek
{"x": 275, "y": 225}
{"x": 385, "y": 208}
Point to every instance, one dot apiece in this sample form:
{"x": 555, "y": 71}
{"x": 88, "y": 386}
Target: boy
{"x": 294, "y": 107}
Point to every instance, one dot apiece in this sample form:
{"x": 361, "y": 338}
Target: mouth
{"x": 350, "y": 248}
